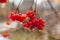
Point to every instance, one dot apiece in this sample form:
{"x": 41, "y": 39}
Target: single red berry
{"x": 33, "y": 22}
{"x": 17, "y": 16}
{"x": 5, "y": 35}
{"x": 13, "y": 18}
{"x": 31, "y": 27}
{"x": 40, "y": 27}
{"x": 8, "y": 22}
{"x": 41, "y": 21}
{"x": 33, "y": 17}
{"x": 25, "y": 25}
{"x": 29, "y": 22}
{"x": 11, "y": 14}
{"x": 29, "y": 13}
{"x": 37, "y": 24}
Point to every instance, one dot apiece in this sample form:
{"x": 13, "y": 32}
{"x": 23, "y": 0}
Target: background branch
{"x": 55, "y": 12}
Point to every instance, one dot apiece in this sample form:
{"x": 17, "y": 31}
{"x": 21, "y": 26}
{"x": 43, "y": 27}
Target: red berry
{"x": 41, "y": 21}
{"x": 30, "y": 13}
{"x": 25, "y": 25}
{"x": 5, "y": 35}
{"x": 33, "y": 22}
{"x": 29, "y": 22}
{"x": 31, "y": 27}
{"x": 13, "y": 18}
{"x": 22, "y": 18}
{"x": 40, "y": 27}
{"x": 8, "y": 22}
{"x": 17, "y": 16}
{"x": 38, "y": 23}
{"x": 33, "y": 17}
{"x": 11, "y": 14}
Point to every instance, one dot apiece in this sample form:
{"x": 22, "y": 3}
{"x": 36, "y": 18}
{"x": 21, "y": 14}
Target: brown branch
{"x": 56, "y": 13}
{"x": 35, "y": 10}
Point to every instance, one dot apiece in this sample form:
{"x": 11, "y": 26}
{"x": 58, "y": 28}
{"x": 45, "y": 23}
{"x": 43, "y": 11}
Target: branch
{"x": 56, "y": 13}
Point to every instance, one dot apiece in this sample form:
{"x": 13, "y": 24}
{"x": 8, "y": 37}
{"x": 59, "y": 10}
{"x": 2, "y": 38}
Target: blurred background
{"x": 47, "y": 9}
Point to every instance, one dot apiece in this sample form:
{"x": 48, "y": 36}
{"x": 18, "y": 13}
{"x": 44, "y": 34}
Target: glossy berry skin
{"x": 3, "y": 1}
{"x": 5, "y": 35}
{"x": 29, "y": 22}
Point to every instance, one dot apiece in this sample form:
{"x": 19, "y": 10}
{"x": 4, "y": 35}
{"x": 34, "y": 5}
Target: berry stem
{"x": 18, "y": 6}
{"x": 35, "y": 10}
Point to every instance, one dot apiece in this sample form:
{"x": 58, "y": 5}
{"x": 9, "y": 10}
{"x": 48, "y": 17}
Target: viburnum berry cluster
{"x": 17, "y": 17}
{"x": 32, "y": 23}
{"x": 3, "y": 1}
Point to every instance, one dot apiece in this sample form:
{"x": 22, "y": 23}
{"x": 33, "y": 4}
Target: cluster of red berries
{"x": 31, "y": 23}
{"x": 3, "y": 1}
{"x": 17, "y": 17}
{"x": 34, "y": 22}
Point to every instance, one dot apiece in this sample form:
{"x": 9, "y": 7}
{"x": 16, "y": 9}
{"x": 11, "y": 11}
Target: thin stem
{"x": 37, "y": 14}
{"x": 56, "y": 13}
{"x": 18, "y": 6}
{"x": 35, "y": 7}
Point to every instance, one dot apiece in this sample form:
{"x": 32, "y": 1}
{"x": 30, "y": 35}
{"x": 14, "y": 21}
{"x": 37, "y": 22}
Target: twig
{"x": 18, "y": 6}
{"x": 56, "y": 13}
{"x": 36, "y": 13}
